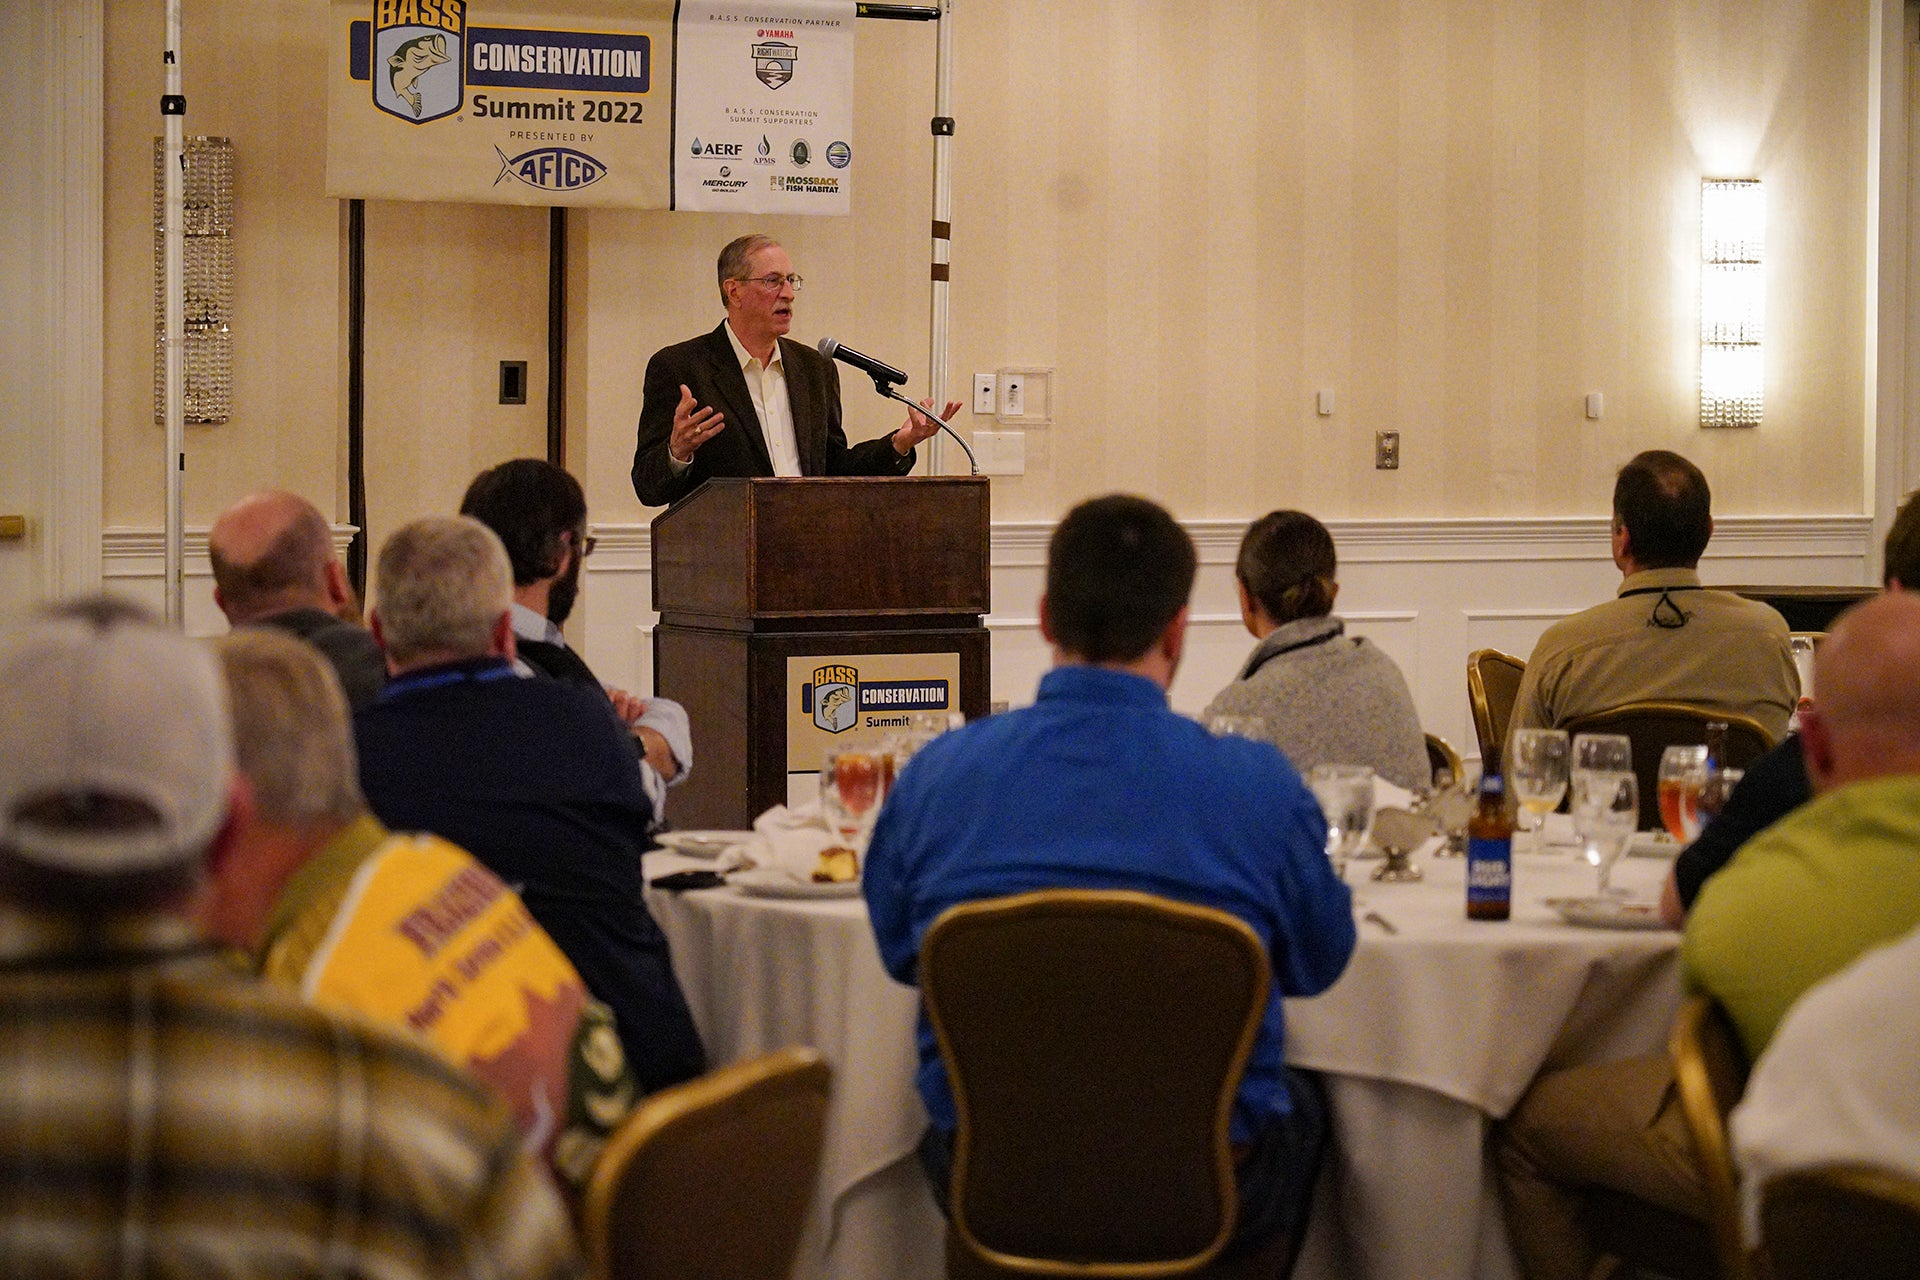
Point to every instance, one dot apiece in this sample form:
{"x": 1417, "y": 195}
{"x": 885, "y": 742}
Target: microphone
{"x": 879, "y": 370}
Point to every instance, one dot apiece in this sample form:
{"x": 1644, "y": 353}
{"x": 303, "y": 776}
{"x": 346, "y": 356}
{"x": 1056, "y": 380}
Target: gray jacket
{"x": 1328, "y": 698}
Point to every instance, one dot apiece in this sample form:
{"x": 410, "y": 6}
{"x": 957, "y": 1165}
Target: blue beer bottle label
{"x": 1489, "y": 870}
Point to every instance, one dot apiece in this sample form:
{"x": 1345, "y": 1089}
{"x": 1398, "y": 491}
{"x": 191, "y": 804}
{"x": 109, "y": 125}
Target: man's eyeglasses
{"x": 586, "y": 542}
{"x": 773, "y": 282}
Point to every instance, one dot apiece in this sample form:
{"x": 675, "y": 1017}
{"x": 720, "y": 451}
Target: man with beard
{"x": 540, "y": 513}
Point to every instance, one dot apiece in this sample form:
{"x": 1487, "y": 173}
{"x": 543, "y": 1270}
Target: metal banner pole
{"x": 173, "y": 110}
{"x": 942, "y": 223}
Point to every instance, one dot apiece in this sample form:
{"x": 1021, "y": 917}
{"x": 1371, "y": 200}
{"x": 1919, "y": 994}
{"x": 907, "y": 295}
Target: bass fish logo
{"x": 835, "y": 702}
{"x": 551, "y": 168}
{"x": 419, "y": 53}
{"x": 773, "y": 62}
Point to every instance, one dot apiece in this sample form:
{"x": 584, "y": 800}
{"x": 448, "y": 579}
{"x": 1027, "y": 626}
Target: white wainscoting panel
{"x": 1428, "y": 592}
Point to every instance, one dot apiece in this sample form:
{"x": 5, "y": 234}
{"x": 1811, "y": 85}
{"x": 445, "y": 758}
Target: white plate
{"x": 1653, "y": 844}
{"x": 1608, "y": 913}
{"x": 763, "y": 882}
{"x": 702, "y": 844}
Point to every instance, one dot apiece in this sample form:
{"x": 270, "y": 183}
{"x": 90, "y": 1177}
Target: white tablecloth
{"x": 1430, "y": 1034}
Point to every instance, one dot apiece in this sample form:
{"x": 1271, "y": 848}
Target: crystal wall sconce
{"x": 1733, "y": 226}
{"x": 207, "y": 270}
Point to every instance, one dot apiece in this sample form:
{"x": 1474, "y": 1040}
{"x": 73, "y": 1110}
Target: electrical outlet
{"x": 1386, "y": 450}
{"x": 984, "y": 390}
{"x": 1013, "y": 396}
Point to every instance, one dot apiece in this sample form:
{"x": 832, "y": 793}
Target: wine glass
{"x": 850, "y": 791}
{"x": 1537, "y": 772}
{"x": 1683, "y": 769}
{"x": 1606, "y": 809}
{"x": 1345, "y": 793}
{"x": 1606, "y": 752}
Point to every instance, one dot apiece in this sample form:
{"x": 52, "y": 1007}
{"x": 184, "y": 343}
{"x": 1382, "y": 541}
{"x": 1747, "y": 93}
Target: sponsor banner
{"x": 763, "y": 106}
{"x": 849, "y": 702}
{"x": 501, "y": 103}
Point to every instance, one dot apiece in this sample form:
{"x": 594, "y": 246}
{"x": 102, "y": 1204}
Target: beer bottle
{"x": 1490, "y": 851}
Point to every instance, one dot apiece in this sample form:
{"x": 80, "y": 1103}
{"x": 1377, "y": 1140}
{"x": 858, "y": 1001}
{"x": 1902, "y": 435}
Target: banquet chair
{"x": 1655, "y": 726}
{"x": 1493, "y": 682}
{"x": 1441, "y": 755}
{"x": 1840, "y": 1222}
{"x": 1710, "y": 1074}
{"x": 710, "y": 1180}
{"x": 1095, "y": 1041}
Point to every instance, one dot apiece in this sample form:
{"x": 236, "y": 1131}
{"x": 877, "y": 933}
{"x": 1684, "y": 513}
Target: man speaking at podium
{"x": 746, "y": 401}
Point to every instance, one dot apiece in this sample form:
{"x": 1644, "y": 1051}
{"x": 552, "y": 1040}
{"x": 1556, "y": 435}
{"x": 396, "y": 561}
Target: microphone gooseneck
{"x": 885, "y": 379}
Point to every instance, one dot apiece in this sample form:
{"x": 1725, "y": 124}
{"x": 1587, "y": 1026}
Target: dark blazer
{"x": 707, "y": 365}
{"x": 537, "y": 779}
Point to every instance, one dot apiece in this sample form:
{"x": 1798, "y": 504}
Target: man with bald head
{"x": 1798, "y": 903}
{"x": 274, "y": 566}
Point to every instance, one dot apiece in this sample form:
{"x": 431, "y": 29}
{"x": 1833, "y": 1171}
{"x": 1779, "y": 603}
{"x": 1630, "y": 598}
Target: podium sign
{"x": 764, "y": 585}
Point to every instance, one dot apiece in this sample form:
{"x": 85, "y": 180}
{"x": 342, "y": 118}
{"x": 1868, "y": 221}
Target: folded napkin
{"x": 1388, "y": 796}
{"x": 785, "y": 840}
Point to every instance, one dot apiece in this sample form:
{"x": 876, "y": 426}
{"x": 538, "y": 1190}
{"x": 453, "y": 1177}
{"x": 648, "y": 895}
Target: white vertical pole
{"x": 173, "y": 110}
{"x": 942, "y": 223}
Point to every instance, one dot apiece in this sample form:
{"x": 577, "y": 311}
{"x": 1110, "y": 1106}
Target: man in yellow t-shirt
{"x": 407, "y": 930}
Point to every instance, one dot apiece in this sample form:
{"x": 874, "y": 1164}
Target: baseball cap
{"x": 95, "y": 698}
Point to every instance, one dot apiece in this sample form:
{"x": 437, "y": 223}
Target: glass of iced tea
{"x": 851, "y": 786}
{"x": 1683, "y": 771}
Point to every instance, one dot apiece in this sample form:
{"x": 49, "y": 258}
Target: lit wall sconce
{"x": 206, "y": 361}
{"x": 1733, "y": 296}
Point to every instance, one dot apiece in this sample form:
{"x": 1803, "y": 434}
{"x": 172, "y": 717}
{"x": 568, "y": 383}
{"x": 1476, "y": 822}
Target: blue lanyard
{"x": 401, "y": 685}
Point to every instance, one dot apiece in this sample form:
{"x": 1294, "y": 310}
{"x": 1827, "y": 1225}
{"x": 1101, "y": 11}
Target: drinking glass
{"x": 1606, "y": 752}
{"x": 1606, "y": 809}
{"x": 1683, "y": 769}
{"x": 1537, "y": 772}
{"x": 850, "y": 792}
{"x": 1237, "y": 727}
{"x": 1345, "y": 793}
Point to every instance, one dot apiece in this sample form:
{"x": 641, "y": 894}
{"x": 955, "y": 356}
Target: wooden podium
{"x": 749, "y": 574}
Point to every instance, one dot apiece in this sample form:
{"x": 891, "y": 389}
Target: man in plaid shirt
{"x": 160, "y": 1115}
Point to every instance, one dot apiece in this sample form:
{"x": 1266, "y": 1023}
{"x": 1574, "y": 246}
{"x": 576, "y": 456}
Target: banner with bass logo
{"x": 763, "y": 106}
{"x": 501, "y": 103}
{"x": 854, "y": 701}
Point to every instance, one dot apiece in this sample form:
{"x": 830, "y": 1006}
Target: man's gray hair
{"x": 735, "y": 257}
{"x": 292, "y": 734}
{"x": 444, "y": 582}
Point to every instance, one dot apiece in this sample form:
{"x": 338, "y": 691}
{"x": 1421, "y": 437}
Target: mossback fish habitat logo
{"x": 419, "y": 58}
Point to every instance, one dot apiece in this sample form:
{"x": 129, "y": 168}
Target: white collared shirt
{"x": 767, "y": 384}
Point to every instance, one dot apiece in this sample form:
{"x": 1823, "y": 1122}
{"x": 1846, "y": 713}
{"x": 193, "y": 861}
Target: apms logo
{"x": 418, "y": 55}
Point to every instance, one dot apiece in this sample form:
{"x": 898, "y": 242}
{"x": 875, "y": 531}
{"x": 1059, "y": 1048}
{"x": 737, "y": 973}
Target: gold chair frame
{"x": 1490, "y": 723}
{"x": 1440, "y": 754}
{"x": 1710, "y": 1073}
{"x": 1856, "y": 1220}
{"x": 957, "y": 921}
{"x": 788, "y": 1086}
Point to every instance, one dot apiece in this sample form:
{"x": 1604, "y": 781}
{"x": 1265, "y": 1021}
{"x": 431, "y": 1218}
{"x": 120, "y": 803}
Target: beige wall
{"x": 1461, "y": 217}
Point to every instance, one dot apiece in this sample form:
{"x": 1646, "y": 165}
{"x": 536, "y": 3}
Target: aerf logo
{"x": 418, "y": 55}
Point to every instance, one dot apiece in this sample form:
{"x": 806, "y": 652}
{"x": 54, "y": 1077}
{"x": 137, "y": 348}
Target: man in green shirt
{"x": 1799, "y": 902}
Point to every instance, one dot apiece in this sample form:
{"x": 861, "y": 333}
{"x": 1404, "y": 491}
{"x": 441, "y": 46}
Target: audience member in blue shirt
{"x": 1100, "y": 784}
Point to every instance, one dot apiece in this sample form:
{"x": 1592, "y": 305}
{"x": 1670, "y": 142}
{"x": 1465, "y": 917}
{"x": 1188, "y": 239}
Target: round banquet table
{"x": 1433, "y": 1032}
